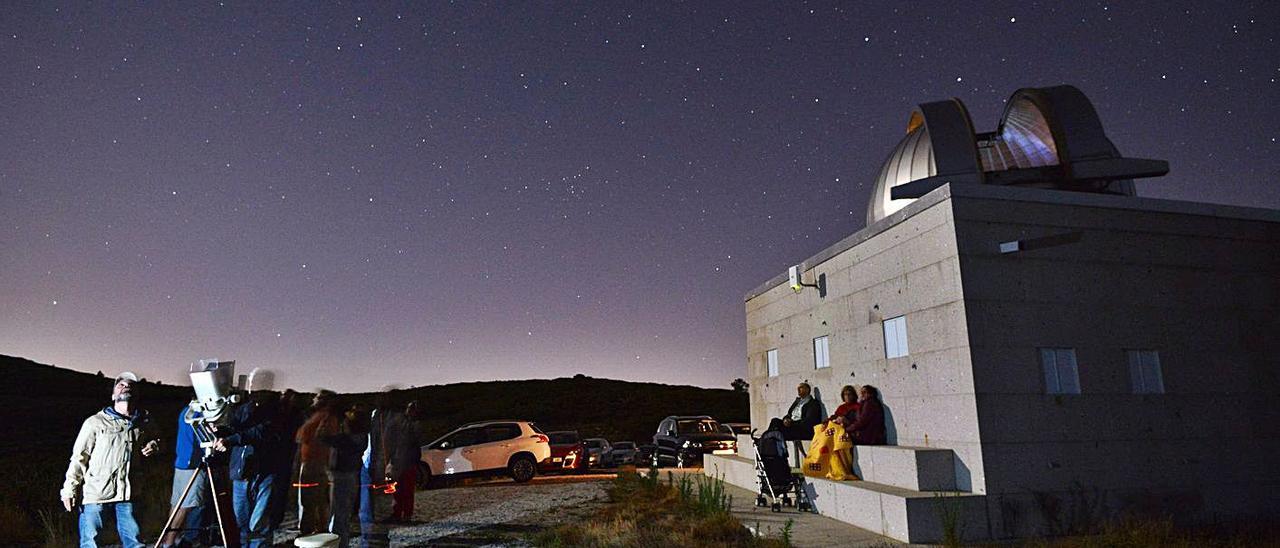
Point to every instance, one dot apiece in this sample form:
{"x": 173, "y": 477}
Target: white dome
{"x": 911, "y": 160}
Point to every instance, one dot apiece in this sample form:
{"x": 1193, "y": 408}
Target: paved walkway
{"x": 807, "y": 528}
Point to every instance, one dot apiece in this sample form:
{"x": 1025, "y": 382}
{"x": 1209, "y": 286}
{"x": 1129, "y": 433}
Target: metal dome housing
{"x": 1047, "y": 138}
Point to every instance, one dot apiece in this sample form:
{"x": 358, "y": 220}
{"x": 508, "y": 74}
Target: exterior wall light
{"x": 796, "y": 275}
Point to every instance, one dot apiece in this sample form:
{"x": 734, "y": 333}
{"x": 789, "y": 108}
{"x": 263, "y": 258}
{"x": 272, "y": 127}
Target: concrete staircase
{"x": 907, "y": 493}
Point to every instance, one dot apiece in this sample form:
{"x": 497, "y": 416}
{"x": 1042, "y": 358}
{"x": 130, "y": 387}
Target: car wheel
{"x": 522, "y": 469}
{"x": 424, "y": 476}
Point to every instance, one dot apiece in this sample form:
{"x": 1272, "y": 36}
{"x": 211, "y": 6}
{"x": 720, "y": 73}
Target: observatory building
{"x": 1052, "y": 350}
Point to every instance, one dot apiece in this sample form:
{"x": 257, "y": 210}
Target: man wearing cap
{"x": 98, "y": 475}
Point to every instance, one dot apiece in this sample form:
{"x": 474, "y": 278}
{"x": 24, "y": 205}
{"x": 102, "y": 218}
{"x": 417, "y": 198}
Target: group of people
{"x": 860, "y": 414}
{"x": 347, "y": 456}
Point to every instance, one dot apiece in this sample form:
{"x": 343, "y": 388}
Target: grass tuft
{"x": 685, "y": 511}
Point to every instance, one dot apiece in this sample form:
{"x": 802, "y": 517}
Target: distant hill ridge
{"x": 50, "y": 402}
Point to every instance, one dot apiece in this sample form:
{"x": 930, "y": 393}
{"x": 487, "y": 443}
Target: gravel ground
{"x": 490, "y": 513}
{"x": 499, "y": 513}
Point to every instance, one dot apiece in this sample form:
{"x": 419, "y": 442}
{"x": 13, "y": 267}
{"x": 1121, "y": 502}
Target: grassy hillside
{"x": 44, "y": 406}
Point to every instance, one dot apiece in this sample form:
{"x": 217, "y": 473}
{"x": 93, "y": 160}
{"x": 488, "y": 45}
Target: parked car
{"x": 682, "y": 440}
{"x": 738, "y": 427}
{"x": 644, "y": 454}
{"x": 488, "y": 448}
{"x": 623, "y": 452}
{"x": 596, "y": 449}
{"x": 568, "y": 454}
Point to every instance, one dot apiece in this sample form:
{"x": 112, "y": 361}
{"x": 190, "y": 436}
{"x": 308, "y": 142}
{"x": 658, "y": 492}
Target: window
{"x": 1060, "y": 373}
{"x": 462, "y": 438}
{"x": 1144, "y": 372}
{"x": 701, "y": 426}
{"x": 567, "y": 437}
{"x": 821, "y": 353}
{"x": 771, "y": 362}
{"x": 501, "y": 432}
{"x": 895, "y": 337}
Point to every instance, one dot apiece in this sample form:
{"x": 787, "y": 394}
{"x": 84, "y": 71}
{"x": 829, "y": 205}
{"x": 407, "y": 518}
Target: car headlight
{"x": 693, "y": 444}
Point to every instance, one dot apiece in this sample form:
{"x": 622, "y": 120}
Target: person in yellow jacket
{"x": 98, "y": 475}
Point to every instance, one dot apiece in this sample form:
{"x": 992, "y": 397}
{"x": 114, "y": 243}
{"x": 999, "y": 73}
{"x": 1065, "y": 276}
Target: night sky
{"x": 360, "y": 195}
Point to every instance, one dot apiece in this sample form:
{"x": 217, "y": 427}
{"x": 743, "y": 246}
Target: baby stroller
{"x": 773, "y": 471}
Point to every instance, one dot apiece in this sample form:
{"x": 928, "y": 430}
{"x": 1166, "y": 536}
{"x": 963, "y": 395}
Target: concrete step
{"x": 903, "y": 514}
{"x": 914, "y": 468}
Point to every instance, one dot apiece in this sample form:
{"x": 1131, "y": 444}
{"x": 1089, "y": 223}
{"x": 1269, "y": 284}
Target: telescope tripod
{"x": 228, "y": 531}
{"x": 227, "y": 528}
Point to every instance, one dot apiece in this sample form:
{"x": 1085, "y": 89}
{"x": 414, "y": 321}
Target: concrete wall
{"x": 1198, "y": 283}
{"x": 908, "y": 265}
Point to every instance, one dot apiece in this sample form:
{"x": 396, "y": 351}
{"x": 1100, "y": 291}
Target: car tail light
{"x": 540, "y": 438}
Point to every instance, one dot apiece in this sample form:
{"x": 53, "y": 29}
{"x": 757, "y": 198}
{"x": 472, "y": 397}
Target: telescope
{"x": 213, "y": 382}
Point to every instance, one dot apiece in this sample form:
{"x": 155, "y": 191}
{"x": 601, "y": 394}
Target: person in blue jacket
{"x": 186, "y": 463}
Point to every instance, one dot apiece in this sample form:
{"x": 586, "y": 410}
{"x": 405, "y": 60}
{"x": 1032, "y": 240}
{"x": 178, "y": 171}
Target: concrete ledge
{"x": 902, "y": 514}
{"x": 915, "y": 468}
{"x": 746, "y": 449}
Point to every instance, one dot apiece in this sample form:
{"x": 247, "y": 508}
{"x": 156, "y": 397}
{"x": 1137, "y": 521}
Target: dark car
{"x": 623, "y": 452}
{"x": 596, "y": 450}
{"x": 568, "y": 454}
{"x": 644, "y": 454}
{"x": 738, "y": 427}
{"x": 682, "y": 440}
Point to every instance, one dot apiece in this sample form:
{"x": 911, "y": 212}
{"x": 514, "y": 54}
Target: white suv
{"x": 508, "y": 447}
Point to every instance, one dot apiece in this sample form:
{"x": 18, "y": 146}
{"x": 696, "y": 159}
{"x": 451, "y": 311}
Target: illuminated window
{"x": 771, "y": 361}
{"x": 821, "y": 353}
{"x": 895, "y": 337}
{"x": 1144, "y": 372}
{"x": 1060, "y": 373}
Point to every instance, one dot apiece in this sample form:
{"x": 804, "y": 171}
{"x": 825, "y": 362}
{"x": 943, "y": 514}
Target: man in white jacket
{"x": 98, "y": 475}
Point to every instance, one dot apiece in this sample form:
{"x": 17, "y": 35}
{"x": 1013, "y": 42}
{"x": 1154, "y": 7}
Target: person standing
{"x": 98, "y": 476}
{"x": 186, "y": 464}
{"x": 313, "y": 470}
{"x": 254, "y": 442}
{"x": 375, "y": 504}
{"x": 404, "y": 446}
{"x": 290, "y": 420}
{"x": 344, "y": 470}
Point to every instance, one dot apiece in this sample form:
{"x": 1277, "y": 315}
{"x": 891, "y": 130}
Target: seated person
{"x": 868, "y": 427}
{"x": 847, "y": 413}
{"x": 802, "y": 416}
